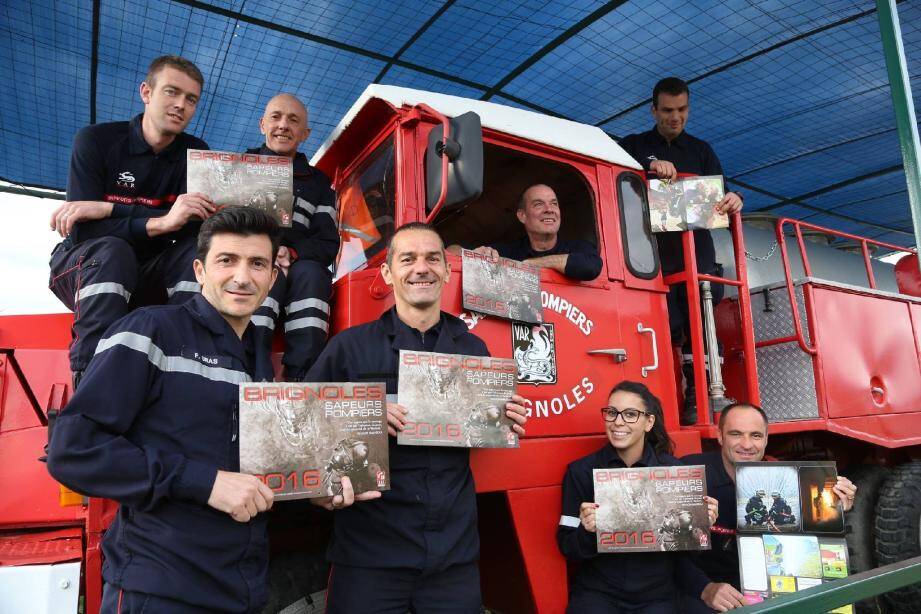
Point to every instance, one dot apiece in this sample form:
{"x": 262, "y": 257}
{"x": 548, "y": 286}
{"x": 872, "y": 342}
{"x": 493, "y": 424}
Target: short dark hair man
{"x": 539, "y": 212}
{"x": 743, "y": 435}
{"x": 153, "y": 426}
{"x": 415, "y": 548}
{"x": 667, "y": 150}
{"x": 300, "y": 297}
{"x": 125, "y": 207}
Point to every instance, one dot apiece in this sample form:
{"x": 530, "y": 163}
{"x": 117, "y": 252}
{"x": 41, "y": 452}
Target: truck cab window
{"x": 507, "y": 173}
{"x": 639, "y": 250}
{"x": 366, "y": 210}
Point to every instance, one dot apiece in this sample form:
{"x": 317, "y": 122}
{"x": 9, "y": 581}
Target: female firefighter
{"x": 646, "y": 582}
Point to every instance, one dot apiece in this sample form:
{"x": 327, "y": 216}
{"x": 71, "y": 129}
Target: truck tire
{"x": 861, "y": 523}
{"x": 898, "y": 530}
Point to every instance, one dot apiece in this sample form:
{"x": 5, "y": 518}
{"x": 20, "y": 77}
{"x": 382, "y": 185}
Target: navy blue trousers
{"x": 362, "y": 590}
{"x": 100, "y": 280}
{"x": 118, "y": 601}
{"x": 585, "y": 601}
{"x": 300, "y": 302}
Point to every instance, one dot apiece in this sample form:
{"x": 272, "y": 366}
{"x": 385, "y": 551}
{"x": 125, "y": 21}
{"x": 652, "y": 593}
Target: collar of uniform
{"x": 300, "y": 164}
{"x": 205, "y": 313}
{"x": 137, "y": 144}
{"x": 209, "y": 316}
{"x": 528, "y": 249}
{"x": 611, "y": 458}
{"x": 715, "y": 462}
{"x": 401, "y": 332}
{"x": 449, "y": 328}
{"x": 681, "y": 140}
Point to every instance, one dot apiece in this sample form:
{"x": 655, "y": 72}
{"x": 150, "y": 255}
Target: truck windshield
{"x": 366, "y": 209}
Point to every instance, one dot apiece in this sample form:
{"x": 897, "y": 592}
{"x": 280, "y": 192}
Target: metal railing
{"x": 798, "y": 226}
{"x": 691, "y": 277}
{"x": 842, "y": 592}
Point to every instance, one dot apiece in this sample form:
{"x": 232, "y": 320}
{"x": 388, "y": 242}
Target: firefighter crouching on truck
{"x": 538, "y": 210}
{"x": 153, "y": 426}
{"x": 415, "y": 548}
{"x": 300, "y": 297}
{"x": 666, "y": 150}
{"x": 128, "y": 223}
{"x": 743, "y": 434}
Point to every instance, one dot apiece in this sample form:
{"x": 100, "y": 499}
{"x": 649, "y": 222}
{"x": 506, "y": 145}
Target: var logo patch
{"x": 534, "y": 349}
{"x": 125, "y": 179}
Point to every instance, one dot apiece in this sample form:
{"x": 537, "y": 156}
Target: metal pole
{"x": 716, "y": 390}
{"x": 899, "y": 86}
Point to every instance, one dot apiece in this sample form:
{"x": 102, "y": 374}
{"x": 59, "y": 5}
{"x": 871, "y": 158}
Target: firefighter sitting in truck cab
{"x": 538, "y": 211}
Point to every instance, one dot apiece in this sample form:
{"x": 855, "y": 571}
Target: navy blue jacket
{"x": 689, "y": 155}
{"x": 721, "y": 563}
{"x": 635, "y": 576}
{"x": 153, "y": 421}
{"x": 428, "y": 519}
{"x": 313, "y": 234}
{"x": 112, "y": 162}
{"x": 583, "y": 263}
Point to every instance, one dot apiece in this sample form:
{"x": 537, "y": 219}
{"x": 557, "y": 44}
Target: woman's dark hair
{"x": 657, "y": 437}
{"x": 245, "y": 221}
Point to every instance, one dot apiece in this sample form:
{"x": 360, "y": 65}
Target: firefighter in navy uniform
{"x": 539, "y": 213}
{"x": 154, "y": 427}
{"x": 755, "y": 511}
{"x": 743, "y": 434}
{"x": 641, "y": 582}
{"x": 665, "y": 151}
{"x": 126, "y": 220}
{"x": 300, "y": 297}
{"x": 414, "y": 549}
{"x": 781, "y": 513}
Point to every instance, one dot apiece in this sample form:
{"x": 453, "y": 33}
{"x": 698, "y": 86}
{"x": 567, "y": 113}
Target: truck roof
{"x": 561, "y": 133}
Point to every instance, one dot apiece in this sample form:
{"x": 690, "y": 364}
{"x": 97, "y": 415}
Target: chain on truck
{"x": 826, "y": 340}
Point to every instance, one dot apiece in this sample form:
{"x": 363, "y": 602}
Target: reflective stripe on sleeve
{"x": 264, "y": 321}
{"x": 308, "y": 303}
{"x": 307, "y": 323}
{"x": 272, "y": 304}
{"x": 103, "y": 288}
{"x": 171, "y": 364}
{"x": 300, "y": 218}
{"x": 570, "y": 521}
{"x": 184, "y": 286}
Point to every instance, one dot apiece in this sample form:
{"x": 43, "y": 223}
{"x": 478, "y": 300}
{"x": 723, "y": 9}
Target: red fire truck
{"x": 827, "y": 341}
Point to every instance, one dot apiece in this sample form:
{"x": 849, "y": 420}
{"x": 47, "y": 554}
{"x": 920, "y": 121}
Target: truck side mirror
{"x": 464, "y": 150}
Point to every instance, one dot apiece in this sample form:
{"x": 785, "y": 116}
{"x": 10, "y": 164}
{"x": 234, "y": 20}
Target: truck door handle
{"x": 619, "y": 355}
{"x": 655, "y": 351}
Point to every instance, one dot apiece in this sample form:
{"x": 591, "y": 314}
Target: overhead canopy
{"x": 792, "y": 94}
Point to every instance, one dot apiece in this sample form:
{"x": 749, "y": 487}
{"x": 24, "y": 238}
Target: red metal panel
{"x": 536, "y": 515}
{"x": 38, "y": 331}
{"x": 869, "y": 366}
{"x": 55, "y": 546}
{"x": 30, "y": 496}
{"x": 42, "y": 369}
{"x": 915, "y": 311}
{"x": 889, "y": 431}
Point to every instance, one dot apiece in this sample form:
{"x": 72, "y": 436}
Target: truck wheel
{"x": 860, "y": 522}
{"x": 898, "y": 530}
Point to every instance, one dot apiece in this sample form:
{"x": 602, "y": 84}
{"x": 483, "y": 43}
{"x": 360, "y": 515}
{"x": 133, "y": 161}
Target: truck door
{"x": 640, "y": 292}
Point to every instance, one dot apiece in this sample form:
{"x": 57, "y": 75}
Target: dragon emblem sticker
{"x": 534, "y": 349}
